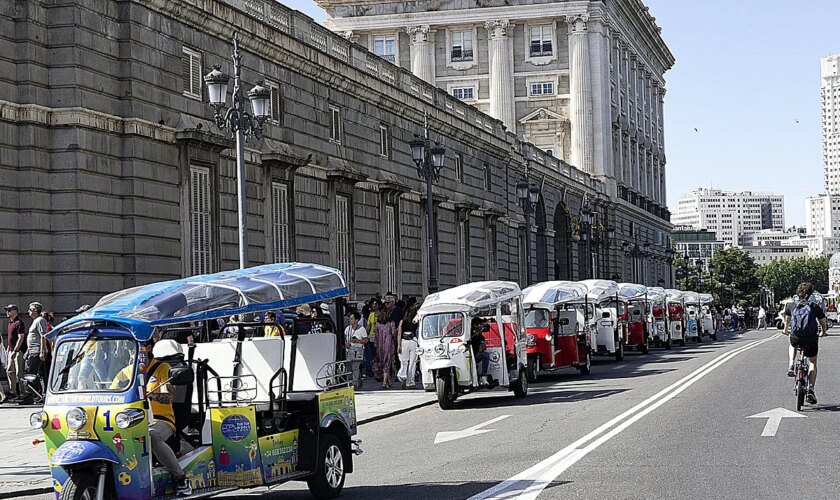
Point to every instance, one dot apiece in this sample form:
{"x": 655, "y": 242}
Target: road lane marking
{"x": 443, "y": 437}
{"x": 774, "y": 418}
{"x": 542, "y": 474}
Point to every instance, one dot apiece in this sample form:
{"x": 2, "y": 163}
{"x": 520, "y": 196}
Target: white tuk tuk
{"x": 676, "y": 316}
{"x": 707, "y": 319}
{"x": 603, "y": 294}
{"x": 693, "y": 316}
{"x": 470, "y": 324}
{"x": 657, "y": 321}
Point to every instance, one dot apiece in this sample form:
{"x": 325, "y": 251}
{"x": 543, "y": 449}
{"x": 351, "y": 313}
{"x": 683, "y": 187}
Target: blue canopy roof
{"x": 260, "y": 288}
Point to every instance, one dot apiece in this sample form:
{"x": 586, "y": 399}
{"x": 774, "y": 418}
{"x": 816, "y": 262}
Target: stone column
{"x": 500, "y": 57}
{"x": 422, "y": 60}
{"x": 580, "y": 105}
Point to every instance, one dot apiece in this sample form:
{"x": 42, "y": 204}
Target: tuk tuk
{"x": 830, "y": 301}
{"x": 691, "y": 300}
{"x": 472, "y": 323}
{"x": 676, "y": 316}
{"x": 554, "y": 337}
{"x": 263, "y": 410}
{"x": 657, "y": 317}
{"x": 609, "y": 338}
{"x": 634, "y": 318}
{"x": 707, "y": 318}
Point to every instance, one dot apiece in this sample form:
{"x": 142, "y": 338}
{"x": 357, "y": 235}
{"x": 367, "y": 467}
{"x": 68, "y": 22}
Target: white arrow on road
{"x": 774, "y": 418}
{"x": 475, "y": 430}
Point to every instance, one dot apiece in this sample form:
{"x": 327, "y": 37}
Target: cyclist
{"x": 801, "y": 317}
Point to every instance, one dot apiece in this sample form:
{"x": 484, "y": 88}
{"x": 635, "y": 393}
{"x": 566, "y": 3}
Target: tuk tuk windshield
{"x": 536, "y": 318}
{"x": 435, "y": 326}
{"x": 98, "y": 365}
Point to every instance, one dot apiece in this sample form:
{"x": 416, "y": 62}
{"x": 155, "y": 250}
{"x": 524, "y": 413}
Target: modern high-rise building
{"x": 830, "y": 97}
{"x": 729, "y": 214}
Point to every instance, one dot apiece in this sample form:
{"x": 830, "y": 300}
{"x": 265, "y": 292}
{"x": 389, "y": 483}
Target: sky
{"x": 747, "y": 79}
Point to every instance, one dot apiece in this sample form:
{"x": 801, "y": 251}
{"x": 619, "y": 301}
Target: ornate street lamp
{"x": 528, "y": 197}
{"x": 429, "y": 161}
{"x": 242, "y": 124}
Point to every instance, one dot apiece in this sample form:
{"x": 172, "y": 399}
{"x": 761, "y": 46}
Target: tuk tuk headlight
{"x": 419, "y": 351}
{"x": 548, "y": 337}
{"x": 128, "y": 418}
{"x": 38, "y": 420}
{"x": 76, "y": 418}
{"x": 462, "y": 348}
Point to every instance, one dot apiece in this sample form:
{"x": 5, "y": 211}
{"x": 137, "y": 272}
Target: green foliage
{"x": 783, "y": 276}
{"x": 735, "y": 277}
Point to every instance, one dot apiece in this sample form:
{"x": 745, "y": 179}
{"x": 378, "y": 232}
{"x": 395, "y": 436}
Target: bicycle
{"x": 802, "y": 381}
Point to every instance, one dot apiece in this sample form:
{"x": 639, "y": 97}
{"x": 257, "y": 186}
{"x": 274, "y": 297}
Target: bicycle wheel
{"x": 800, "y": 395}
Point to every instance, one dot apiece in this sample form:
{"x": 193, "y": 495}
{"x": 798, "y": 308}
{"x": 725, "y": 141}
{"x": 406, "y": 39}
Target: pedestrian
{"x": 357, "y": 339}
{"x": 718, "y": 320}
{"x": 375, "y": 307}
{"x": 36, "y": 349}
{"x": 45, "y": 367}
{"x": 385, "y": 339}
{"x": 15, "y": 350}
{"x": 272, "y": 329}
{"x": 762, "y": 318}
{"x": 407, "y": 348}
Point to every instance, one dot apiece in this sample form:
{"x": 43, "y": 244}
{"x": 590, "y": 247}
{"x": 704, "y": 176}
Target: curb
{"x": 26, "y": 493}
{"x": 396, "y": 412}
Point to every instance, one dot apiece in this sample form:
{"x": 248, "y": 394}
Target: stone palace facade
{"x": 115, "y": 175}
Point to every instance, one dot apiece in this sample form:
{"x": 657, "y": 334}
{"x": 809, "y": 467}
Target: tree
{"x": 783, "y": 276}
{"x": 739, "y": 281}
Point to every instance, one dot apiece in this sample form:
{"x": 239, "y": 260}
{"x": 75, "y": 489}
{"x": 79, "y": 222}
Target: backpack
{"x": 803, "y": 321}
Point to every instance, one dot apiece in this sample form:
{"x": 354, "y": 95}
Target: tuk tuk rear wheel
{"x": 445, "y": 392}
{"x": 330, "y": 473}
{"x": 667, "y": 344}
{"x": 80, "y": 486}
{"x": 619, "y": 351}
{"x": 644, "y": 348}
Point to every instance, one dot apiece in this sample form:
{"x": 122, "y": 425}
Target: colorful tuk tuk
{"x": 634, "y": 318}
{"x": 609, "y": 339}
{"x": 707, "y": 318}
{"x": 676, "y": 316}
{"x": 657, "y": 317}
{"x": 266, "y": 410}
{"x": 554, "y": 337}
{"x": 460, "y": 327}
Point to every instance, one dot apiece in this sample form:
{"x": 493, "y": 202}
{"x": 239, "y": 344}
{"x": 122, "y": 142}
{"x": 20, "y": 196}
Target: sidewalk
{"x": 25, "y": 471}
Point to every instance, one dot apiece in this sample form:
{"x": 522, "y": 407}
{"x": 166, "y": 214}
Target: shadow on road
{"x": 830, "y": 408}
{"x": 419, "y": 491}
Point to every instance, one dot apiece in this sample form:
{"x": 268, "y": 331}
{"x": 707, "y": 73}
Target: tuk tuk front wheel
{"x": 619, "y": 351}
{"x": 330, "y": 473}
{"x": 533, "y": 368}
{"x": 667, "y": 344}
{"x": 586, "y": 367}
{"x": 520, "y": 390}
{"x": 80, "y": 486}
{"x": 445, "y": 392}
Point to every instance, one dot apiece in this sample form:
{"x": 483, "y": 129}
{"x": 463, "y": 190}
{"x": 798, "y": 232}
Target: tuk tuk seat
{"x": 314, "y": 351}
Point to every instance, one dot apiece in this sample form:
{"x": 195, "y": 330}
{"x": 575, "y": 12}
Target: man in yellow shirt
{"x": 274, "y": 330}
{"x": 162, "y": 427}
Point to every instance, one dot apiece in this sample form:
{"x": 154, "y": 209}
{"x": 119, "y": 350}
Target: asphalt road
{"x": 669, "y": 425}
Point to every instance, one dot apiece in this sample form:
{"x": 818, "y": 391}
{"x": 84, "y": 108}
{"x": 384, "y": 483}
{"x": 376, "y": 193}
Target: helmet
{"x": 166, "y": 348}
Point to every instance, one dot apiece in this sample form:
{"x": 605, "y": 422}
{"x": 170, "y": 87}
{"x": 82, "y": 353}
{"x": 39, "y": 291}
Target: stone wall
{"x": 97, "y": 139}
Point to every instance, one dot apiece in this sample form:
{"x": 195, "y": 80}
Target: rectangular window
{"x": 390, "y": 248}
{"x": 342, "y": 230}
{"x": 385, "y": 47}
{"x": 488, "y": 178}
{"x": 384, "y": 141}
{"x": 335, "y": 124}
{"x": 464, "y": 93}
{"x": 491, "y": 251}
{"x": 464, "y": 251}
{"x": 459, "y": 168}
{"x": 201, "y": 254}
{"x": 542, "y": 88}
{"x": 274, "y": 103}
{"x": 462, "y": 46}
{"x": 280, "y": 231}
{"x": 191, "y": 73}
{"x": 541, "y": 40}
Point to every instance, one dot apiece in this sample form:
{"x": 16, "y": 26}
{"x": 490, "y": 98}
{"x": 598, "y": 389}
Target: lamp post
{"x": 645, "y": 255}
{"x": 586, "y": 228}
{"x": 699, "y": 263}
{"x": 429, "y": 160}
{"x": 528, "y": 196}
{"x": 670, "y": 253}
{"x": 242, "y": 124}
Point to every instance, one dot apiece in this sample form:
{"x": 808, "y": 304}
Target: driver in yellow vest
{"x": 159, "y": 392}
